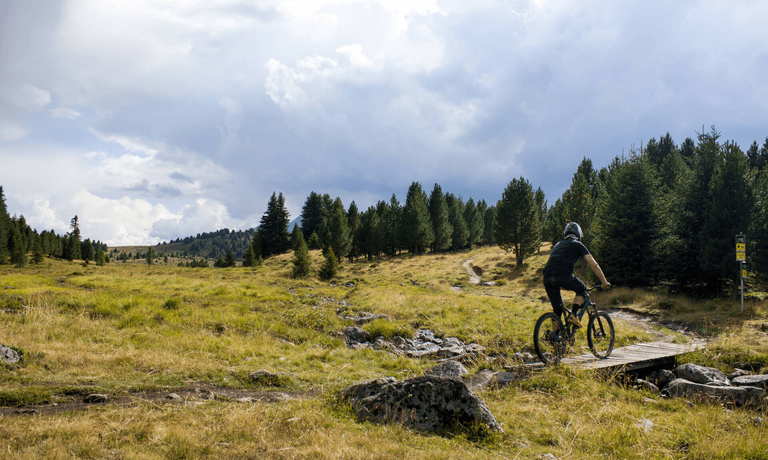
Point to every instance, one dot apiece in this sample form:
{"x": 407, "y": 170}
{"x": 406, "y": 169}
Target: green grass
{"x": 128, "y": 327}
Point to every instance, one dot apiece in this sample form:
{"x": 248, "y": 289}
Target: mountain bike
{"x": 552, "y": 339}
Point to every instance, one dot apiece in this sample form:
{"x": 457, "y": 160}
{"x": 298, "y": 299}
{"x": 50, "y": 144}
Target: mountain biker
{"x": 558, "y": 273}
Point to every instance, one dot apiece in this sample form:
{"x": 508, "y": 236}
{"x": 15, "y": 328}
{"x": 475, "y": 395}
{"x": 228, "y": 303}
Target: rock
{"x": 96, "y": 398}
{"x": 760, "y": 380}
{"x": 739, "y": 396}
{"x": 8, "y": 355}
{"x": 661, "y": 377}
{"x": 738, "y": 373}
{"x": 448, "y": 369}
{"x": 174, "y": 397}
{"x": 267, "y": 378}
{"x": 646, "y": 385}
{"x": 701, "y": 374}
{"x": 355, "y": 335}
{"x": 424, "y": 343}
{"x": 427, "y": 403}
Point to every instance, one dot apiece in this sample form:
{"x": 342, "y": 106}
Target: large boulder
{"x": 739, "y": 396}
{"x": 9, "y": 355}
{"x": 701, "y": 374}
{"x": 427, "y": 403}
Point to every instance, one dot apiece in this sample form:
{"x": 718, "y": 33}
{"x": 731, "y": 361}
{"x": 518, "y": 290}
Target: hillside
{"x": 142, "y": 334}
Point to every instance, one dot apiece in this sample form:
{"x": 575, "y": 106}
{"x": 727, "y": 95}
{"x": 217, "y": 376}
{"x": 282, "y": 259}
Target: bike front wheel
{"x": 600, "y": 334}
{"x": 547, "y": 339}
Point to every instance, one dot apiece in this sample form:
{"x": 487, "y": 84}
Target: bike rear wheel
{"x": 600, "y": 334}
{"x": 547, "y": 338}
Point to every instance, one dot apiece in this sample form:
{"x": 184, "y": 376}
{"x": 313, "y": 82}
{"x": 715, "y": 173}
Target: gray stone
{"x": 739, "y": 396}
{"x": 448, "y": 369}
{"x": 646, "y": 385}
{"x": 760, "y": 380}
{"x": 427, "y": 403}
{"x": 9, "y": 355}
{"x": 738, "y": 373}
{"x": 267, "y": 378}
{"x": 356, "y": 335}
{"x": 701, "y": 374}
{"x": 661, "y": 378}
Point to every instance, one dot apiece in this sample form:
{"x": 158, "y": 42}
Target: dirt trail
{"x": 475, "y": 273}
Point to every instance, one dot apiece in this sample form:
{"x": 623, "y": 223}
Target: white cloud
{"x": 65, "y": 112}
{"x": 202, "y": 216}
{"x": 26, "y": 96}
{"x": 10, "y": 131}
{"x": 118, "y": 222}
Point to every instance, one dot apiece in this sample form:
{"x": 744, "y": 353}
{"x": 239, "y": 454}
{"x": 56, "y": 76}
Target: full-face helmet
{"x": 572, "y": 228}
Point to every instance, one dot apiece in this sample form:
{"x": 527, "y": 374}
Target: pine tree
{"x": 273, "y": 225}
{"x": 581, "y": 200}
{"x": 330, "y": 267}
{"x": 314, "y": 241}
{"x": 17, "y": 248}
{"x": 150, "y": 255}
{"x": 727, "y": 214}
{"x": 248, "y": 259}
{"x": 456, "y": 218}
{"x": 302, "y": 263}
{"x": 490, "y": 225}
{"x": 336, "y": 233}
{"x": 312, "y": 214}
{"x": 5, "y": 220}
{"x": 72, "y": 250}
{"x": 517, "y": 220}
{"x": 627, "y": 228}
{"x": 417, "y": 229}
{"x": 475, "y": 224}
{"x": 38, "y": 255}
{"x": 295, "y": 236}
{"x": 696, "y": 200}
{"x": 229, "y": 259}
{"x": 370, "y": 234}
{"x": 391, "y": 218}
{"x": 441, "y": 227}
{"x": 353, "y": 223}
{"x": 757, "y": 238}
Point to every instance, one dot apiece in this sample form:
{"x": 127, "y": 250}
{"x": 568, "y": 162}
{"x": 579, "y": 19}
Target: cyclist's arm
{"x": 597, "y": 270}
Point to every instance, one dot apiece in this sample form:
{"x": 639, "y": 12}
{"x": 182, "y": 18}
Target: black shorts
{"x": 555, "y": 283}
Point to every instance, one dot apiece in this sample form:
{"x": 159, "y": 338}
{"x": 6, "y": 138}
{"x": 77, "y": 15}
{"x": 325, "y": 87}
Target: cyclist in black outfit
{"x": 558, "y": 273}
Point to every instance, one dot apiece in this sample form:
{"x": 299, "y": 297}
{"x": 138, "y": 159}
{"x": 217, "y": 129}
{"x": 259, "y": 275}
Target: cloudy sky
{"x": 153, "y": 120}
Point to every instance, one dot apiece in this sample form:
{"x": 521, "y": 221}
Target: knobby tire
{"x": 601, "y": 335}
{"x": 548, "y": 350}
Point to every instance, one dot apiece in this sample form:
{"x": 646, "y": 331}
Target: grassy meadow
{"x": 128, "y": 328}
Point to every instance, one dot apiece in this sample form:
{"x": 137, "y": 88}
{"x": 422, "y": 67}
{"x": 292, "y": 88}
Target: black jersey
{"x": 563, "y": 257}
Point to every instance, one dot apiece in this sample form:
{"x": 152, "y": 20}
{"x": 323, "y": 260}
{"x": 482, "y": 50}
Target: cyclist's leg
{"x": 574, "y": 284}
{"x": 552, "y": 287}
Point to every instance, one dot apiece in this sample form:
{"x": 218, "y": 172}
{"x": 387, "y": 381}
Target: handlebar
{"x": 597, "y": 286}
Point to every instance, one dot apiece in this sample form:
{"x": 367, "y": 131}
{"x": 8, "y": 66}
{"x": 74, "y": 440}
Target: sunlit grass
{"x": 126, "y": 327}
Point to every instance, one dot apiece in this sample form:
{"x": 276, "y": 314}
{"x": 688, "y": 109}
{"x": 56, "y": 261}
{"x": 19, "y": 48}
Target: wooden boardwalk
{"x": 633, "y": 357}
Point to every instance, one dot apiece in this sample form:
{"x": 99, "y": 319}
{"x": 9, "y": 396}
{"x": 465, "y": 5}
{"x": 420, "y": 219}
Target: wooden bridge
{"x": 634, "y": 357}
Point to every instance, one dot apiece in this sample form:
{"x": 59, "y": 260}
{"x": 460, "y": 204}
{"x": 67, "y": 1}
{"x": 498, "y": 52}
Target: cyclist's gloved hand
{"x": 606, "y": 285}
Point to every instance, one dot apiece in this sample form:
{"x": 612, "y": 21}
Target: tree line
{"x": 663, "y": 215}
{"x": 18, "y": 240}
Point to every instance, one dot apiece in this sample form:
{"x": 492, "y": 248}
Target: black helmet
{"x": 572, "y": 228}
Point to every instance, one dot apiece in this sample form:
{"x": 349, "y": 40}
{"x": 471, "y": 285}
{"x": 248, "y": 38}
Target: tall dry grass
{"x": 126, "y": 327}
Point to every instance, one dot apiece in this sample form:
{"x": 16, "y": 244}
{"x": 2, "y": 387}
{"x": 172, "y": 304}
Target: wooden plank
{"x": 633, "y": 357}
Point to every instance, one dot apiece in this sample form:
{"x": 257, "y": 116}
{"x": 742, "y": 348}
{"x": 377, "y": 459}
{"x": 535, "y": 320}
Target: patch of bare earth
{"x": 194, "y": 395}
